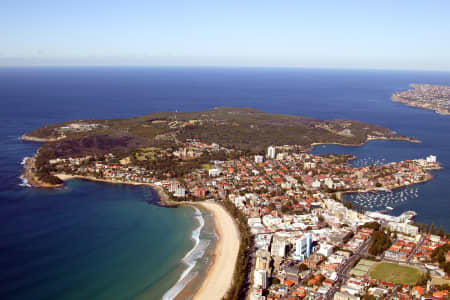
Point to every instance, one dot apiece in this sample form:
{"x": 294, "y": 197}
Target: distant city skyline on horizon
{"x": 405, "y": 35}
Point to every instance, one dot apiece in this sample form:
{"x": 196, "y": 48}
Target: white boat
{"x": 388, "y": 207}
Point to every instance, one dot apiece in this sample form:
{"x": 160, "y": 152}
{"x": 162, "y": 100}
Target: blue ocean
{"x": 104, "y": 241}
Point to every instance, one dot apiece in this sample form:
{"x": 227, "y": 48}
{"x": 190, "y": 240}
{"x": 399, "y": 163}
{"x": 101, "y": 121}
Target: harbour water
{"x": 104, "y": 241}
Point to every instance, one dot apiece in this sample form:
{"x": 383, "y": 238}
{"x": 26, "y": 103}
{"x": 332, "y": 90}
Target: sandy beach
{"x": 220, "y": 274}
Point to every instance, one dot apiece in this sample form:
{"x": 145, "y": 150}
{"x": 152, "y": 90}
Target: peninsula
{"x": 426, "y": 96}
{"x": 159, "y": 141}
{"x": 283, "y": 230}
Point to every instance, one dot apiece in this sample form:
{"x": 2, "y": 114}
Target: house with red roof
{"x": 418, "y": 291}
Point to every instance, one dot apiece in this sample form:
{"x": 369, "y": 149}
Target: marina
{"x": 382, "y": 200}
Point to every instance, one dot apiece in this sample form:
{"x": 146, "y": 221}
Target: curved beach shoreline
{"x": 163, "y": 197}
{"x": 220, "y": 273}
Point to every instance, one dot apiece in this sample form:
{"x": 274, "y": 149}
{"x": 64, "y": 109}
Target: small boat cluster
{"x": 384, "y": 200}
{"x": 367, "y": 161}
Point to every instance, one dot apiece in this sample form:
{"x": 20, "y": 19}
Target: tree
{"x": 369, "y": 297}
{"x": 433, "y": 228}
{"x": 303, "y": 268}
{"x": 348, "y": 204}
{"x": 380, "y": 242}
{"x": 441, "y": 231}
{"x": 373, "y": 225}
{"x": 424, "y": 278}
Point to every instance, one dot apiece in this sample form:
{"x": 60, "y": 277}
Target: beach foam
{"x": 24, "y": 182}
{"x": 24, "y": 160}
{"x": 190, "y": 259}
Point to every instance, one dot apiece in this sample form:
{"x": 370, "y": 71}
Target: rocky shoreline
{"x": 32, "y": 179}
{"x": 28, "y": 138}
{"x": 407, "y": 139}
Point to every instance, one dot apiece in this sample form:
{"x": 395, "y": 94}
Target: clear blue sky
{"x": 393, "y": 34}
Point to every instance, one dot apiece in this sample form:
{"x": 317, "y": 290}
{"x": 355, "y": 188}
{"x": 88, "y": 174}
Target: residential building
{"x": 260, "y": 278}
{"x": 403, "y": 228}
{"x": 344, "y": 296}
{"x": 258, "y": 159}
{"x": 278, "y": 247}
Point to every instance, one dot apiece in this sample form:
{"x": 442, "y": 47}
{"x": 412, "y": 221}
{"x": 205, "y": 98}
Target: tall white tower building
{"x": 303, "y": 246}
{"x": 271, "y": 152}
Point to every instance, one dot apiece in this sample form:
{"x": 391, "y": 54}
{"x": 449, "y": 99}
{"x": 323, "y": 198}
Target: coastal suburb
{"x": 285, "y": 230}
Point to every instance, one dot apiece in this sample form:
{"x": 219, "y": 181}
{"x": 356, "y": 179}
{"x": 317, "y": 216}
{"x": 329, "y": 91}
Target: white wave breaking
{"x": 190, "y": 259}
{"x": 24, "y": 182}
{"x": 24, "y": 160}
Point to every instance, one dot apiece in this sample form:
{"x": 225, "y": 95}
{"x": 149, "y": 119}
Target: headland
{"x": 426, "y": 96}
{"x": 172, "y": 142}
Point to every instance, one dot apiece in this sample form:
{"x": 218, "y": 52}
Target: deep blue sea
{"x": 103, "y": 241}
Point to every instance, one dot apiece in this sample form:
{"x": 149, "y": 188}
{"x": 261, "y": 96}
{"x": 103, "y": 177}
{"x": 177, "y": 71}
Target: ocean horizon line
{"x": 237, "y": 67}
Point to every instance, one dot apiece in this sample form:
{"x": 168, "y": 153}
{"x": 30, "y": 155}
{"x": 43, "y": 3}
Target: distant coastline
{"x": 426, "y": 96}
{"x": 396, "y": 98}
{"x": 370, "y": 138}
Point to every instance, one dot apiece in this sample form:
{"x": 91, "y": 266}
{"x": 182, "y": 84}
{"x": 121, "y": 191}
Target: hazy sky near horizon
{"x": 384, "y": 34}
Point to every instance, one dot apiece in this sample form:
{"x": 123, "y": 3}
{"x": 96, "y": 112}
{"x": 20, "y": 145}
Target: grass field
{"x": 146, "y": 153}
{"x": 207, "y": 167}
{"x": 395, "y": 273}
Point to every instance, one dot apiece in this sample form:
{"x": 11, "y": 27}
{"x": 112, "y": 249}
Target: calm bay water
{"x": 101, "y": 241}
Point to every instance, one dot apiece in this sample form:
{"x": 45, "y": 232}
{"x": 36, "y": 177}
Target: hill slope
{"x": 239, "y": 128}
